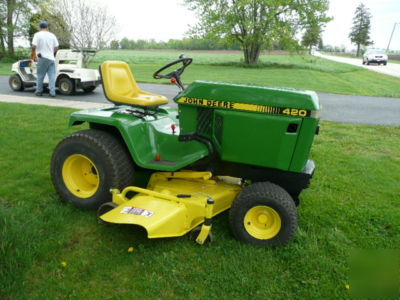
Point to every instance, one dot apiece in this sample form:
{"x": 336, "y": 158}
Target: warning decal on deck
{"x": 137, "y": 211}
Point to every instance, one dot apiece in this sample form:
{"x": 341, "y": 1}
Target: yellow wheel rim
{"x": 80, "y": 175}
{"x": 262, "y": 222}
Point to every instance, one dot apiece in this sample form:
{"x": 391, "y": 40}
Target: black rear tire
{"x": 16, "y": 83}
{"x": 66, "y": 86}
{"x": 87, "y": 164}
{"x": 263, "y": 214}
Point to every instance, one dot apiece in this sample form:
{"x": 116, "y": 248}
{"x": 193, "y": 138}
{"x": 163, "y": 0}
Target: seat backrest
{"x": 118, "y": 80}
{"x": 120, "y": 86}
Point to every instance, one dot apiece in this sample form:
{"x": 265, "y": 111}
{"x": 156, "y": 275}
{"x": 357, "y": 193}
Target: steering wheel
{"x": 175, "y": 76}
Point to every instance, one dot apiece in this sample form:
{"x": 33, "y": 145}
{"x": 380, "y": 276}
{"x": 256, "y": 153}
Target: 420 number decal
{"x": 295, "y": 112}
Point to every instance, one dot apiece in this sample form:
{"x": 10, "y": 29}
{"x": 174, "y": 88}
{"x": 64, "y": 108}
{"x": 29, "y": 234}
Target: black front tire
{"x": 87, "y": 164}
{"x": 66, "y": 86}
{"x": 263, "y": 214}
{"x": 16, "y": 83}
{"x": 89, "y": 89}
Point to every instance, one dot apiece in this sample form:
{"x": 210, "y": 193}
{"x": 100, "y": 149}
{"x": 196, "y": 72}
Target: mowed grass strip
{"x": 353, "y": 203}
{"x": 292, "y": 71}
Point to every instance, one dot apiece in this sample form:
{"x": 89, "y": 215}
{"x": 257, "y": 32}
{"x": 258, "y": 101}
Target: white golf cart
{"x": 70, "y": 69}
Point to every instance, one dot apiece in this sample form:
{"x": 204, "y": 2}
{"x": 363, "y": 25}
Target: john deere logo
{"x": 247, "y": 107}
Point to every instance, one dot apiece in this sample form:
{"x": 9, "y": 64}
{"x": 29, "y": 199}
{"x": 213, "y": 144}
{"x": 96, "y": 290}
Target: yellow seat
{"x": 120, "y": 86}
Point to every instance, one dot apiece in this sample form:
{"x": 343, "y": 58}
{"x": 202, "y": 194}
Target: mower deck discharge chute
{"x": 171, "y": 170}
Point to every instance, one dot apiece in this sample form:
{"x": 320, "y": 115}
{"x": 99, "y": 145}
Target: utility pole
{"x": 394, "y": 26}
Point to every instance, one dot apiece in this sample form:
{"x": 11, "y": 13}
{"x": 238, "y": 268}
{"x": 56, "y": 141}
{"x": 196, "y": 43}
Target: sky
{"x": 170, "y": 19}
{"x": 384, "y": 14}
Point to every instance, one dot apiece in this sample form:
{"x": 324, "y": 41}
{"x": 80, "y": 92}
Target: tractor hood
{"x": 216, "y": 94}
{"x": 253, "y": 125}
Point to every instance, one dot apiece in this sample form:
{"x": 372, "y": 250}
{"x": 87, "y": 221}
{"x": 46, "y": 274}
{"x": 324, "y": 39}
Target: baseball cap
{"x": 43, "y": 24}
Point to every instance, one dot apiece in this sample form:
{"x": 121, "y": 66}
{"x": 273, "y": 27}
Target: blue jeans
{"x": 44, "y": 66}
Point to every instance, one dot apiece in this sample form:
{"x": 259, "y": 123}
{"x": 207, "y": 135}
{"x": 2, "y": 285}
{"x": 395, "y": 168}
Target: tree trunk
{"x": 3, "y": 47}
{"x": 10, "y": 26}
{"x": 246, "y": 55}
{"x": 310, "y": 49}
{"x": 358, "y": 50}
{"x": 252, "y": 53}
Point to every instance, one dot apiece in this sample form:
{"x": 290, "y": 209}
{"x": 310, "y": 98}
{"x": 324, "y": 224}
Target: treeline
{"x": 329, "y": 48}
{"x": 183, "y": 44}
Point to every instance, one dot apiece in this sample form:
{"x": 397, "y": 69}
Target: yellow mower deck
{"x": 173, "y": 204}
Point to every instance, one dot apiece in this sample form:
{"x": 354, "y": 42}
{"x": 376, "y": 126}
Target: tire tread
{"x": 112, "y": 148}
{"x": 274, "y": 194}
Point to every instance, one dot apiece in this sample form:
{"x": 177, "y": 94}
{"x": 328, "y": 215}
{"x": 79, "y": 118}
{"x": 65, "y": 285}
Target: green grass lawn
{"x": 5, "y": 68}
{"x": 293, "y": 71}
{"x": 353, "y": 203}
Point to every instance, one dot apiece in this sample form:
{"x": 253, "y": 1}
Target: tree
{"x": 114, "y": 44}
{"x": 91, "y": 26}
{"x": 57, "y": 25}
{"x": 14, "y": 17}
{"x": 360, "y": 32}
{"x": 124, "y": 43}
{"x": 311, "y": 37}
{"x": 3, "y": 13}
{"x": 256, "y": 24}
{"x": 316, "y": 21}
{"x": 320, "y": 44}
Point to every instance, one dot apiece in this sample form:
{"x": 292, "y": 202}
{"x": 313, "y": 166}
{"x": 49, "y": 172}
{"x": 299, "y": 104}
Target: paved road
{"x": 97, "y": 96}
{"x": 389, "y": 69}
{"x": 339, "y": 108}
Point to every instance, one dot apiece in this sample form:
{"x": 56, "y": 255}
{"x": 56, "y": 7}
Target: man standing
{"x": 44, "y": 46}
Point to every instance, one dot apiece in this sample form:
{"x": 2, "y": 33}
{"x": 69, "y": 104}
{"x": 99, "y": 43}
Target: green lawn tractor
{"x": 172, "y": 169}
